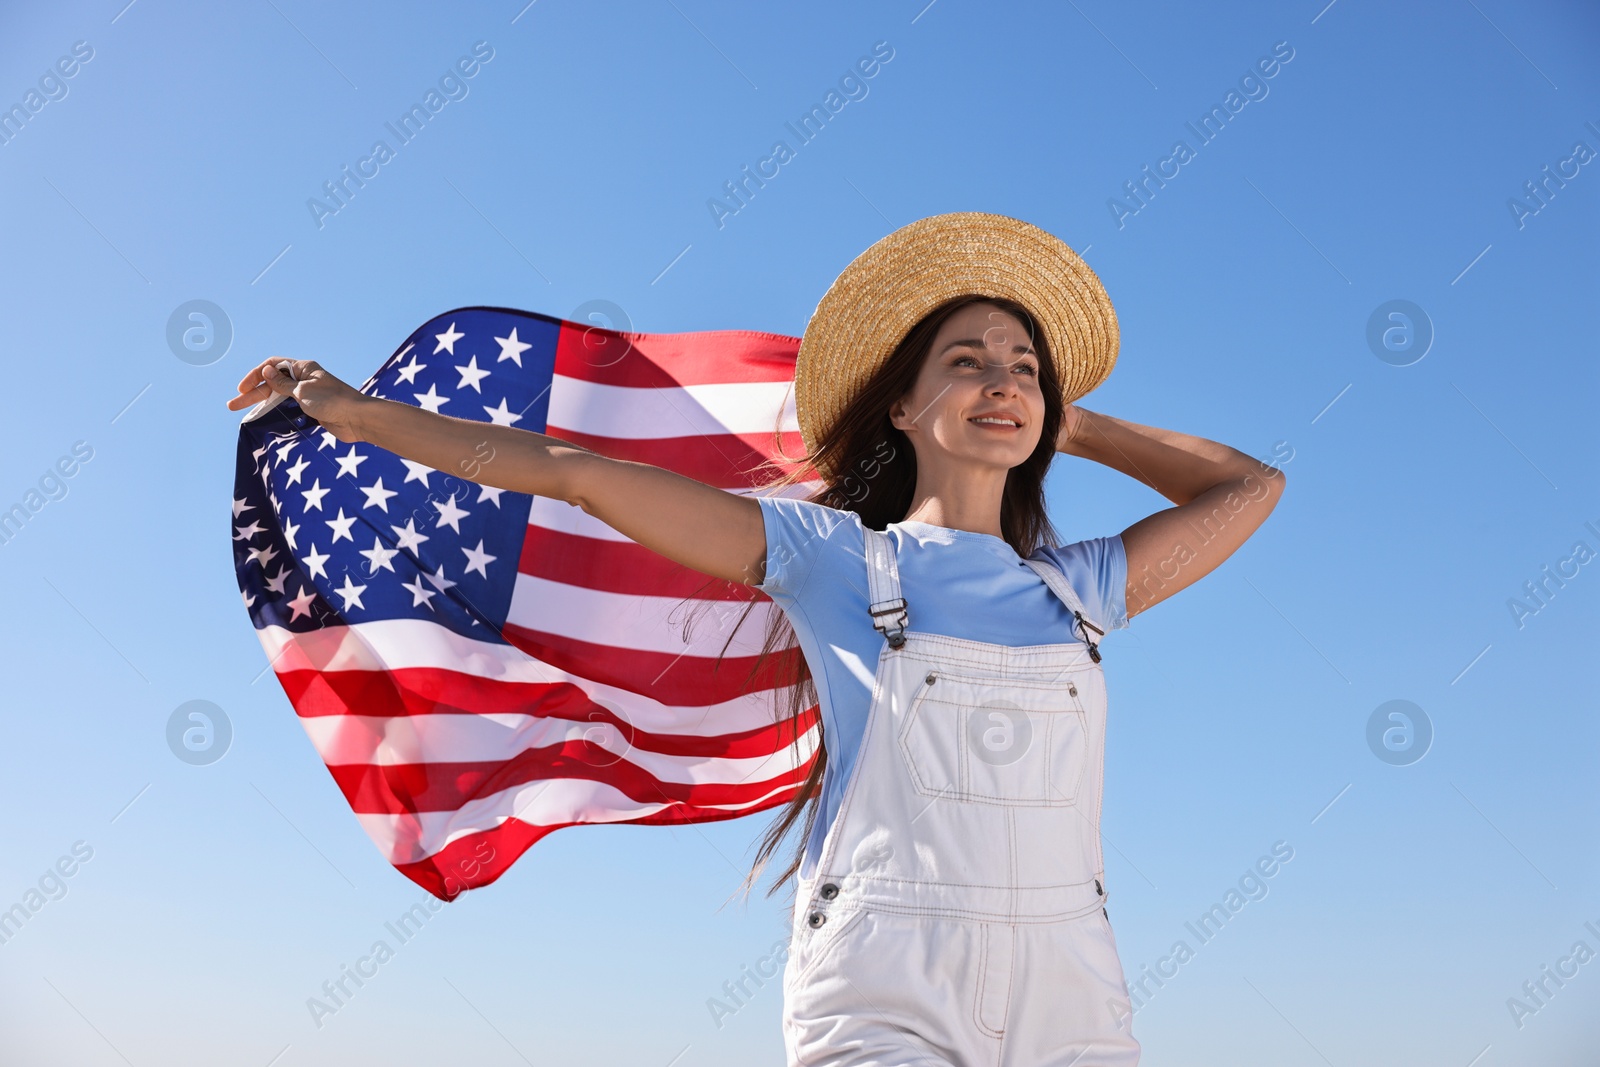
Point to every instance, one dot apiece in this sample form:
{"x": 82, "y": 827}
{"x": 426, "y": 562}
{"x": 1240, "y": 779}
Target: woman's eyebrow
{"x": 973, "y": 342}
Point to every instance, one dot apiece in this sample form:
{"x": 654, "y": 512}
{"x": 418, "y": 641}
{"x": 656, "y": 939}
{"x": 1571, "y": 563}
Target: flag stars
{"x": 408, "y": 538}
{"x": 245, "y": 533}
{"x": 419, "y": 595}
{"x": 438, "y": 580}
{"x": 377, "y": 495}
{"x": 275, "y": 583}
{"x": 314, "y": 562}
{"x": 502, "y": 415}
{"x": 449, "y": 514}
{"x": 301, "y": 604}
{"x": 240, "y": 506}
{"x": 341, "y": 526}
{"x": 409, "y": 372}
{"x": 378, "y": 557}
{"x": 431, "y": 400}
{"x": 487, "y": 492}
{"x": 263, "y": 555}
{"x": 328, "y": 441}
{"x": 349, "y": 463}
{"x": 314, "y": 495}
{"x": 417, "y": 472}
{"x": 289, "y": 530}
{"x": 511, "y": 348}
{"x": 283, "y": 453}
{"x": 471, "y": 375}
{"x": 351, "y": 593}
{"x": 298, "y": 469}
{"x": 447, "y": 340}
{"x": 479, "y": 560}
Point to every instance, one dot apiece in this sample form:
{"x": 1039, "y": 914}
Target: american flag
{"x": 478, "y": 667}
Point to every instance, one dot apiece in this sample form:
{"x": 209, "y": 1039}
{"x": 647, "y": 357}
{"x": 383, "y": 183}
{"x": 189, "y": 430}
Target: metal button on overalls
{"x": 956, "y": 914}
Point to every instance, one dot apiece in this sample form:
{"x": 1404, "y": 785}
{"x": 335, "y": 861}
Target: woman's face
{"x": 982, "y": 366}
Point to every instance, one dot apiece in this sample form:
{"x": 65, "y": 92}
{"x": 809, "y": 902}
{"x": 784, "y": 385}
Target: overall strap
{"x": 886, "y": 605}
{"x": 1062, "y": 588}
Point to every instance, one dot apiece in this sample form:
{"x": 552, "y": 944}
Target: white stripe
{"x": 634, "y": 622}
{"x": 416, "y": 836}
{"x": 387, "y": 741}
{"x": 397, "y": 644}
{"x": 549, "y": 513}
{"x": 671, "y": 411}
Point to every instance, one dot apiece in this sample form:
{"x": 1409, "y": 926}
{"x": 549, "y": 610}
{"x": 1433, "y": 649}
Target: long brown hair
{"x": 877, "y": 478}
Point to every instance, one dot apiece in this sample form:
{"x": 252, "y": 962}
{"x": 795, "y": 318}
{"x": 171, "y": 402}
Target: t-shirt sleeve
{"x": 799, "y": 534}
{"x": 1098, "y": 571}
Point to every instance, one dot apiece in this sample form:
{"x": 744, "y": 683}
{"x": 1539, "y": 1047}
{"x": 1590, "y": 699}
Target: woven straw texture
{"x": 888, "y": 288}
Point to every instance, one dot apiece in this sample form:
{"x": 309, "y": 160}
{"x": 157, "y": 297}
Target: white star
{"x": 245, "y": 533}
{"x": 440, "y": 582}
{"x": 314, "y": 495}
{"x": 471, "y": 375}
{"x": 262, "y": 555}
{"x": 250, "y": 601}
{"x": 431, "y": 400}
{"x": 328, "y": 441}
{"x": 351, "y": 593}
{"x": 298, "y": 469}
{"x": 417, "y": 472}
{"x": 489, "y": 492}
{"x": 240, "y": 506}
{"x": 315, "y": 562}
{"x": 377, "y": 495}
{"x": 449, "y": 514}
{"x": 289, "y": 530}
{"x": 511, "y": 348}
{"x": 348, "y": 463}
{"x": 502, "y": 416}
{"x": 479, "y": 560}
{"x": 447, "y": 340}
{"x": 408, "y": 373}
{"x": 283, "y": 453}
{"x": 301, "y": 604}
{"x": 341, "y": 526}
{"x": 408, "y": 538}
{"x": 378, "y": 557}
{"x": 275, "y": 583}
{"x": 419, "y": 595}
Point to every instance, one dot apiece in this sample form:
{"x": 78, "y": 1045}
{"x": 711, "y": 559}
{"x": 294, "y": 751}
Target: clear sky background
{"x": 1426, "y": 489}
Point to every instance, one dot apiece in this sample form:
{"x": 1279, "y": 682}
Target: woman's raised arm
{"x": 700, "y": 526}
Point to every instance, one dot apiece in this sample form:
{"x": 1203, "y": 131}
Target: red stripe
{"x": 726, "y": 460}
{"x": 435, "y": 691}
{"x": 678, "y": 680}
{"x": 653, "y": 360}
{"x": 399, "y": 789}
{"x": 479, "y": 859}
{"x": 623, "y": 567}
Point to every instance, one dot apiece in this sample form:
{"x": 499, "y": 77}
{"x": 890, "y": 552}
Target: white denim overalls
{"x": 956, "y": 914}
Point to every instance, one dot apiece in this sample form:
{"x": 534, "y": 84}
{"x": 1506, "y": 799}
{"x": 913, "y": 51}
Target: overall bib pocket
{"x": 996, "y": 741}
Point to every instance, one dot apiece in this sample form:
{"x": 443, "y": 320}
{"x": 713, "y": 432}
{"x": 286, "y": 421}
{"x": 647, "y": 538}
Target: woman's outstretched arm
{"x": 1223, "y": 497}
{"x": 700, "y": 526}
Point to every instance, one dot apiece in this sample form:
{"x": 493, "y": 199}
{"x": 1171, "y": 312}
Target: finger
{"x": 244, "y": 399}
{"x": 254, "y": 375}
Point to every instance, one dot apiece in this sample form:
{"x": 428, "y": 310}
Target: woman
{"x": 950, "y": 901}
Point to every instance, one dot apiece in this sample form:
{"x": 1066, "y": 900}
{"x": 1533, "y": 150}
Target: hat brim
{"x": 896, "y": 282}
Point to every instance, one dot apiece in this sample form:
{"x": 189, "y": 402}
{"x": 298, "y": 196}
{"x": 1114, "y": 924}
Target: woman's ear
{"x": 897, "y": 415}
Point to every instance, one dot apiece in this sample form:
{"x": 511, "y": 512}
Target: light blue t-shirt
{"x": 955, "y": 582}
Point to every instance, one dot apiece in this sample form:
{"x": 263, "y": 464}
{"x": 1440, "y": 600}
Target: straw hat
{"x": 888, "y": 288}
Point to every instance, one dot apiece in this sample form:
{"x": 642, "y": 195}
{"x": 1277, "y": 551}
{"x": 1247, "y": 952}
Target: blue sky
{"x": 1380, "y": 163}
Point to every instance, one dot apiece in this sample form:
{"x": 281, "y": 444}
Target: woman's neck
{"x": 964, "y": 503}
